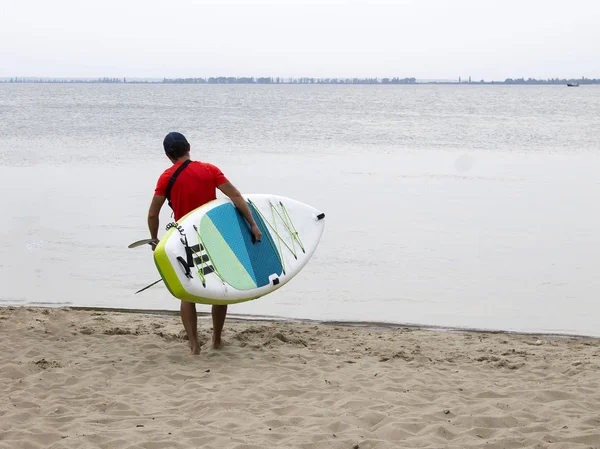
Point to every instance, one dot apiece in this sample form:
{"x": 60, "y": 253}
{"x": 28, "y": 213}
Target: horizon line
{"x": 474, "y": 79}
{"x": 288, "y": 80}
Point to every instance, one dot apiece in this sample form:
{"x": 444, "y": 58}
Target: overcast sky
{"x": 427, "y": 39}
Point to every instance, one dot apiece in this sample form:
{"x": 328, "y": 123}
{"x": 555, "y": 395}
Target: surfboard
{"x": 209, "y": 256}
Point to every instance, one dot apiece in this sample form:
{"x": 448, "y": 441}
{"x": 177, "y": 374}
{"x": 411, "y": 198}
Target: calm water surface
{"x": 459, "y": 206}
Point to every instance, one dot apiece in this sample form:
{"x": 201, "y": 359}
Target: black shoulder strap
{"x": 173, "y": 178}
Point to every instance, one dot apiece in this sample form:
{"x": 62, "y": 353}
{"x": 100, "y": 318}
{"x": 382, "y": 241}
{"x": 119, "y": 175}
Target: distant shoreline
{"x": 302, "y": 80}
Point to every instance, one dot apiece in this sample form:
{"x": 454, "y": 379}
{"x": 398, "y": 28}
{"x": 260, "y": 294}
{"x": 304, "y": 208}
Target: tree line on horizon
{"x": 583, "y": 80}
{"x": 396, "y": 80}
{"x": 279, "y": 80}
{"x": 303, "y": 80}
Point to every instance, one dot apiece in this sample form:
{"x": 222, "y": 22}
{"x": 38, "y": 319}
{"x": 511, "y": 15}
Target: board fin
{"x": 152, "y": 242}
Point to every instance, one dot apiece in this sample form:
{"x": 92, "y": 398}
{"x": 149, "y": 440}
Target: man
{"x": 195, "y": 185}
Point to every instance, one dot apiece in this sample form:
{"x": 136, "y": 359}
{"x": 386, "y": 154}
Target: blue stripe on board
{"x": 265, "y": 260}
{"x": 225, "y": 219}
{"x": 260, "y": 259}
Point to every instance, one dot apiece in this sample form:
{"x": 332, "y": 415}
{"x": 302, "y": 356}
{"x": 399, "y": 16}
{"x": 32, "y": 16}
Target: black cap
{"x": 174, "y": 140}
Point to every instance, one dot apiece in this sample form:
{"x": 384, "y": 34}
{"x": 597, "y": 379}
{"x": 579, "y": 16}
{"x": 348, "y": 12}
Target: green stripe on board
{"x": 223, "y": 258}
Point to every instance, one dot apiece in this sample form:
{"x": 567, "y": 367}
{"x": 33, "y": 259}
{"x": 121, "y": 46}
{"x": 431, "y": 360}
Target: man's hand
{"x": 256, "y": 234}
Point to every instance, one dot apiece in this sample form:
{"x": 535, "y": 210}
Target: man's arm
{"x": 153, "y": 214}
{"x": 238, "y": 200}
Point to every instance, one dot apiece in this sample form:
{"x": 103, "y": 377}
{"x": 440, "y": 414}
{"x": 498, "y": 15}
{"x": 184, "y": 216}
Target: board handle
{"x": 185, "y": 266}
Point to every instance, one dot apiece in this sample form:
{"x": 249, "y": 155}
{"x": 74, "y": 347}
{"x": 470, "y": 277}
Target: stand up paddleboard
{"x": 209, "y": 256}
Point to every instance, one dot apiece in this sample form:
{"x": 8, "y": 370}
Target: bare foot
{"x": 195, "y": 349}
{"x": 218, "y": 344}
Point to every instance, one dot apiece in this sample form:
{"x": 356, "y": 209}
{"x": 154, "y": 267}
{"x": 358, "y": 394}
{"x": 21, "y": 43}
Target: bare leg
{"x": 218, "y": 316}
{"x": 190, "y": 323}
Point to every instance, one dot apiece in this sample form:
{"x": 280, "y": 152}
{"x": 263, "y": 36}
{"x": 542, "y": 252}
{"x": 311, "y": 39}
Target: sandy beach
{"x": 105, "y": 379}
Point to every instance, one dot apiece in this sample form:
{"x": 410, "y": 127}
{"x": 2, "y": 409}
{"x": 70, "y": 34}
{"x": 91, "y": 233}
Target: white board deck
{"x": 209, "y": 257}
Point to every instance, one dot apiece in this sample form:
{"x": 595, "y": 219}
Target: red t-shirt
{"x": 196, "y": 185}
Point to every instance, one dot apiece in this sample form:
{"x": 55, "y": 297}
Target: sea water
{"x": 446, "y": 205}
